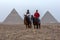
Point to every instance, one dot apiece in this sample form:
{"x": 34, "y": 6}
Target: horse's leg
{"x": 37, "y": 26}
{"x": 29, "y": 26}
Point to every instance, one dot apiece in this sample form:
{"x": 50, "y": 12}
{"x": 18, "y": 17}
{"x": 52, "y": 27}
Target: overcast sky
{"x": 21, "y": 6}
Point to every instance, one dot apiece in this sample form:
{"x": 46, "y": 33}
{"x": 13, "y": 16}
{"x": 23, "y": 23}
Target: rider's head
{"x": 36, "y": 10}
{"x": 28, "y": 11}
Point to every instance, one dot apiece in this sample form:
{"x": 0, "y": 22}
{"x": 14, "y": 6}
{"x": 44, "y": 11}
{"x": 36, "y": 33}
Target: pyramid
{"x": 48, "y": 18}
{"x": 13, "y": 18}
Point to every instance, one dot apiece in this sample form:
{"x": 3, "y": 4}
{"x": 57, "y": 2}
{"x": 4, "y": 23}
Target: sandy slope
{"x": 18, "y": 32}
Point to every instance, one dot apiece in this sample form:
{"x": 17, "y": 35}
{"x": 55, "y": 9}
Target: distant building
{"x": 13, "y": 18}
{"x": 48, "y": 18}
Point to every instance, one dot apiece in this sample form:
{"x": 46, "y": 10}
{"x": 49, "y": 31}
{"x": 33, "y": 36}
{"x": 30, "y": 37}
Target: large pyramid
{"x": 13, "y": 18}
{"x": 48, "y": 18}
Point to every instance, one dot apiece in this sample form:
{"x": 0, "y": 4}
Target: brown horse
{"x": 27, "y": 22}
{"x": 35, "y": 23}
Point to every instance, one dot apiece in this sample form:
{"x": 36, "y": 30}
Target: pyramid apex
{"x": 48, "y": 12}
{"x": 13, "y": 9}
{"x": 13, "y": 18}
{"x": 48, "y": 18}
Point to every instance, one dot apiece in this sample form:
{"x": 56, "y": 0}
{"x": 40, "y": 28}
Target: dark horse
{"x": 35, "y": 22}
{"x": 27, "y": 22}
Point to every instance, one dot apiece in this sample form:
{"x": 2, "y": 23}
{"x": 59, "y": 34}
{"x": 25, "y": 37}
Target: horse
{"x": 35, "y": 22}
{"x": 27, "y": 22}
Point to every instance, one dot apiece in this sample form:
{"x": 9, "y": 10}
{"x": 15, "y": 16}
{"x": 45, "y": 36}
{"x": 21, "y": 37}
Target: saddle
{"x": 36, "y": 21}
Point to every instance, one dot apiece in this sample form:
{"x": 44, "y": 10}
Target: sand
{"x": 19, "y": 32}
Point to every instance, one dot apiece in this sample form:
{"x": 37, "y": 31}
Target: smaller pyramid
{"x": 13, "y": 18}
{"x": 48, "y": 18}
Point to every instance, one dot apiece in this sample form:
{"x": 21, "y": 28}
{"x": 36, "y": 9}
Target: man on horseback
{"x": 27, "y": 19}
{"x": 36, "y": 16}
{"x": 27, "y": 13}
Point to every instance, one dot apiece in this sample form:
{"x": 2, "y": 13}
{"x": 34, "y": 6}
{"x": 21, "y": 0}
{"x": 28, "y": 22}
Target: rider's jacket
{"x": 36, "y": 15}
{"x": 28, "y": 15}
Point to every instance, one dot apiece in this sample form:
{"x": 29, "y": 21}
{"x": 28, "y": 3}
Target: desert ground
{"x": 19, "y": 32}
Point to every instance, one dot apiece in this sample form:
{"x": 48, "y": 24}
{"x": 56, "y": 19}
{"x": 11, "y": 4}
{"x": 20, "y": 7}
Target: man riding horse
{"x": 36, "y": 19}
{"x": 27, "y": 19}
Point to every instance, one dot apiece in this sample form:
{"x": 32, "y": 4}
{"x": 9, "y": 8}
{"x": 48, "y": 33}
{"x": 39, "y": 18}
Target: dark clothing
{"x": 28, "y": 19}
{"x": 37, "y": 20}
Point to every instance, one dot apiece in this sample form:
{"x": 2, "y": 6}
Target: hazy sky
{"x": 22, "y": 5}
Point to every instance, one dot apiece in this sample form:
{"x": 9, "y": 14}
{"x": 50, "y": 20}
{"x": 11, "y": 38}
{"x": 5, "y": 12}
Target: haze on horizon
{"x": 21, "y": 6}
